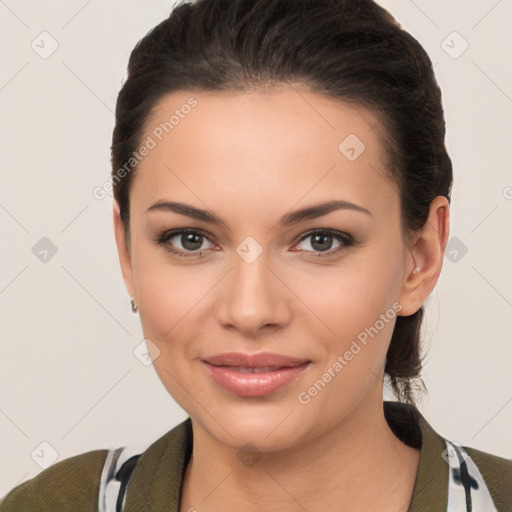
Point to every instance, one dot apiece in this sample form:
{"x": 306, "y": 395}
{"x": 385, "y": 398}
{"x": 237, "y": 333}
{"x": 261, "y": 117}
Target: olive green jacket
{"x": 450, "y": 477}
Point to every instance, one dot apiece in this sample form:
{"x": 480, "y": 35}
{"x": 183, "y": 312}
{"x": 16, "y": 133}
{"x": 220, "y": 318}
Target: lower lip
{"x": 253, "y": 384}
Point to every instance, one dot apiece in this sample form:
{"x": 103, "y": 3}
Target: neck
{"x": 358, "y": 465}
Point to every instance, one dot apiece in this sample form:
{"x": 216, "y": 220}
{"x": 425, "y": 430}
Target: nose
{"x": 253, "y": 297}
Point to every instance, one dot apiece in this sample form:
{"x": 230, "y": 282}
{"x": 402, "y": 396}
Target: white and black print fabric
{"x": 467, "y": 491}
{"x": 118, "y": 468}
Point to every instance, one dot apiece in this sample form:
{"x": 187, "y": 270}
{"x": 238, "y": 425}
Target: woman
{"x": 282, "y": 193}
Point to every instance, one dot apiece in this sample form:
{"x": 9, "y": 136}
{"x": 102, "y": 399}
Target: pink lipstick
{"x": 254, "y": 375}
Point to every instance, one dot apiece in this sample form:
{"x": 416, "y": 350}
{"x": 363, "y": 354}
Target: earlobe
{"x": 426, "y": 258}
{"x": 122, "y": 249}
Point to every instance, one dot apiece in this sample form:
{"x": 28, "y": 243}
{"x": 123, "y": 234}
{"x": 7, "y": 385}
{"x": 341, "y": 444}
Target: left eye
{"x": 322, "y": 241}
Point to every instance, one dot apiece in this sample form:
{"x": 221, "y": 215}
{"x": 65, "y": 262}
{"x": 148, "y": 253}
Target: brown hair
{"x": 349, "y": 50}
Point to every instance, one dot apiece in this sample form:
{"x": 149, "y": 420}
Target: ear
{"x": 123, "y": 250}
{"x": 427, "y": 253}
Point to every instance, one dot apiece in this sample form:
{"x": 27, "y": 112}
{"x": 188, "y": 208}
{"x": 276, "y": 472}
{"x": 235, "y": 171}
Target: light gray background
{"x": 68, "y": 375}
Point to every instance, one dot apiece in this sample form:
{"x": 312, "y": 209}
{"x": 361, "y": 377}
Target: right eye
{"x": 191, "y": 241}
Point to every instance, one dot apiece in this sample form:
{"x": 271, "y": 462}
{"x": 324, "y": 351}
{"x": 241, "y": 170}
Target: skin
{"x": 250, "y": 157}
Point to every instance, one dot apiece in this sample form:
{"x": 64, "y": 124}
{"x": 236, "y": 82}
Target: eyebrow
{"x": 289, "y": 219}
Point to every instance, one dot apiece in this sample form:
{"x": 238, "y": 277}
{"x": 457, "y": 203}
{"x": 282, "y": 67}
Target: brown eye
{"x": 191, "y": 241}
{"x": 183, "y": 242}
{"x": 322, "y": 242}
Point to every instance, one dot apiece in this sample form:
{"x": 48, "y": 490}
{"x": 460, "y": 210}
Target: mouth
{"x": 254, "y": 375}
{"x": 244, "y": 369}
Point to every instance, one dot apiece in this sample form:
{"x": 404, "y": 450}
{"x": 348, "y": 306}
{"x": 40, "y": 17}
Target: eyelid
{"x": 346, "y": 241}
{"x": 329, "y": 231}
{"x": 165, "y": 236}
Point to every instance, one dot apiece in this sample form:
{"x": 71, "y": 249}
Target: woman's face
{"x": 323, "y": 291}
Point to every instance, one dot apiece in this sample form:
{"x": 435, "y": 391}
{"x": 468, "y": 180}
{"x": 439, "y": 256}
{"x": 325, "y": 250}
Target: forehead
{"x": 274, "y": 146}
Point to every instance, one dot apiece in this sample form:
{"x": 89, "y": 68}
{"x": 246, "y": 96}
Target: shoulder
{"x": 450, "y": 475}
{"x": 489, "y": 463}
{"x": 69, "y": 485}
{"x": 101, "y": 479}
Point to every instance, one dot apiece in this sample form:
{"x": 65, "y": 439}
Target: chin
{"x": 270, "y": 426}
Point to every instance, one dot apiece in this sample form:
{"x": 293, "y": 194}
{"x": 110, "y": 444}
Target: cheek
{"x": 360, "y": 316}
{"x": 352, "y": 296}
{"x": 170, "y": 297}
{"x": 169, "y": 304}
{"x": 356, "y": 303}
{"x": 171, "y": 300}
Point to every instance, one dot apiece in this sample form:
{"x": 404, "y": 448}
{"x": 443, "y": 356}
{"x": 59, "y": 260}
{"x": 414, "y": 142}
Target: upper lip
{"x": 261, "y": 360}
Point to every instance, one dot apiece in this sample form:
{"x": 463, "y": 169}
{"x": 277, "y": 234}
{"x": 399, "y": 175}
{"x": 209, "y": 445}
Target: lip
{"x": 260, "y": 360}
{"x": 254, "y": 375}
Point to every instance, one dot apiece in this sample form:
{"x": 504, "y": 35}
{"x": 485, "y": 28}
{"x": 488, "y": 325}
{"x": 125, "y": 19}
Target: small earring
{"x": 416, "y": 270}
{"x": 134, "y": 306}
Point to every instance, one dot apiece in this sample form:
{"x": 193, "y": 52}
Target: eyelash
{"x": 162, "y": 239}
